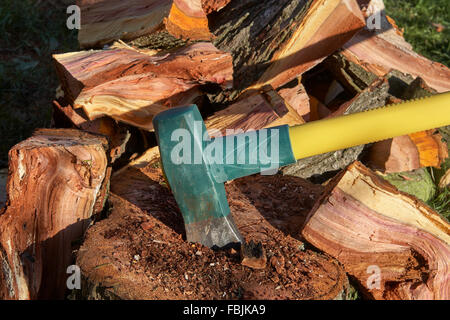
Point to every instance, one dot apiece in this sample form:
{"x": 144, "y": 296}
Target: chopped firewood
{"x": 253, "y": 255}
{"x": 95, "y": 80}
{"x": 317, "y": 110}
{"x": 188, "y": 18}
{"x": 160, "y": 264}
{"x": 296, "y": 97}
{"x": 351, "y": 75}
{"x": 395, "y": 246}
{"x": 373, "y": 97}
{"x": 379, "y": 51}
{"x": 259, "y": 110}
{"x": 409, "y": 152}
{"x": 55, "y": 179}
{"x": 117, "y": 134}
{"x": 105, "y": 20}
{"x": 150, "y": 158}
{"x": 288, "y": 39}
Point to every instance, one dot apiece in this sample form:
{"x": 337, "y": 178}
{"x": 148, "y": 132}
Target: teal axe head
{"x": 198, "y": 183}
{"x": 201, "y": 199}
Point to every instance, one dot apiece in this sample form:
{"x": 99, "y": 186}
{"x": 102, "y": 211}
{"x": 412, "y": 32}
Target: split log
{"x": 390, "y": 242}
{"x": 105, "y": 20}
{"x": 380, "y": 51}
{"x": 188, "y": 18}
{"x": 409, "y": 152}
{"x": 273, "y": 42}
{"x": 55, "y": 185}
{"x": 138, "y": 252}
{"x": 94, "y": 80}
{"x": 117, "y": 134}
{"x": 373, "y": 97}
{"x": 259, "y": 110}
{"x": 297, "y": 98}
{"x": 350, "y": 74}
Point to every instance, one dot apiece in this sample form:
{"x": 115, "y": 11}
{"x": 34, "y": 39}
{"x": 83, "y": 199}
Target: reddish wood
{"x": 188, "y": 18}
{"x": 138, "y": 252}
{"x": 297, "y": 98}
{"x": 55, "y": 179}
{"x": 255, "y": 111}
{"x": 103, "y": 21}
{"x": 382, "y": 50}
{"x": 95, "y": 80}
{"x": 368, "y": 225}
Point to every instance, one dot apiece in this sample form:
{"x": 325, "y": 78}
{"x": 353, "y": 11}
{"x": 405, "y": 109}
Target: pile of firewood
{"x": 90, "y": 192}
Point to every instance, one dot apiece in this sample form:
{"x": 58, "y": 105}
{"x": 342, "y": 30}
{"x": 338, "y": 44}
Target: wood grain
{"x": 55, "y": 179}
{"x": 367, "y": 224}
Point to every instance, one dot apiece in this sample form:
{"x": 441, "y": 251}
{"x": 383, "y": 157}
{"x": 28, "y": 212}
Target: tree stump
{"x": 139, "y": 251}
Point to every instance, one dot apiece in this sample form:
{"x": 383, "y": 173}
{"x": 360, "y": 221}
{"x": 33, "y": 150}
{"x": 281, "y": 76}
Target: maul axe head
{"x": 201, "y": 199}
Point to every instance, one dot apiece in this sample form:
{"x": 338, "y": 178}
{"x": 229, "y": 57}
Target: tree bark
{"x": 273, "y": 42}
{"x": 390, "y": 242}
{"x": 55, "y": 185}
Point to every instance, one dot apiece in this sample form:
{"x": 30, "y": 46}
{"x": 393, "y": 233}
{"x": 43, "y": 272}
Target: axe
{"x": 196, "y": 166}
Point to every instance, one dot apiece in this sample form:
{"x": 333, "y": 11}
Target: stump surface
{"x": 139, "y": 251}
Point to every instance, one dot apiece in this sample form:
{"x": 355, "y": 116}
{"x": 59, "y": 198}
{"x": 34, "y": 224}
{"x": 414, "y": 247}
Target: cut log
{"x": 94, "y": 80}
{"x": 373, "y": 97}
{"x": 56, "y": 183}
{"x": 105, "y": 20}
{"x": 296, "y": 97}
{"x": 118, "y": 135}
{"x": 410, "y": 152}
{"x": 259, "y": 110}
{"x": 138, "y": 252}
{"x": 380, "y": 51}
{"x": 273, "y": 42}
{"x": 350, "y": 74}
{"x": 390, "y": 242}
{"x": 188, "y": 18}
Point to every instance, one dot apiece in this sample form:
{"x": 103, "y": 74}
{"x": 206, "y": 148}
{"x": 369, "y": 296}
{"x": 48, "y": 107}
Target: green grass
{"x": 30, "y": 32}
{"x": 441, "y": 201}
{"x": 416, "y": 17}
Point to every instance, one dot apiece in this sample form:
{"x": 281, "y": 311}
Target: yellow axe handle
{"x": 347, "y": 131}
